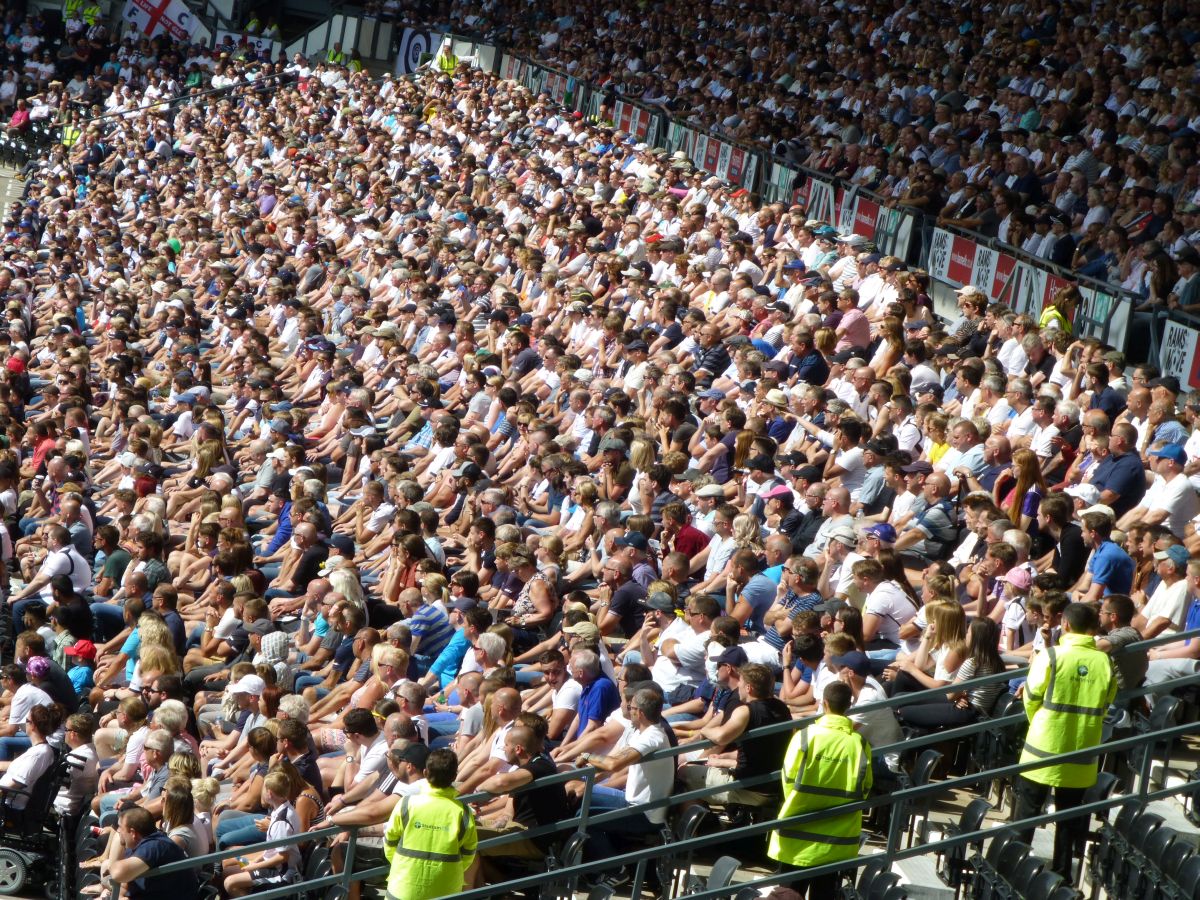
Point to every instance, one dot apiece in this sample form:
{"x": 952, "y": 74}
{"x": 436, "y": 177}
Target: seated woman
{"x": 22, "y": 773}
{"x": 962, "y": 707}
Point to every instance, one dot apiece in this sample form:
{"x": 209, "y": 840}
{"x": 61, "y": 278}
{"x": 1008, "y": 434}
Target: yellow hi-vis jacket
{"x": 1067, "y": 694}
{"x": 827, "y": 764}
{"x": 446, "y": 62}
{"x": 430, "y": 841}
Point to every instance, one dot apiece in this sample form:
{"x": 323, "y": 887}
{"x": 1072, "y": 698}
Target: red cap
{"x": 82, "y": 649}
{"x": 15, "y": 364}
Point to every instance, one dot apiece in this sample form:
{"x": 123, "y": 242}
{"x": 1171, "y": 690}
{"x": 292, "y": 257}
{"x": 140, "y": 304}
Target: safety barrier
{"x": 641, "y": 858}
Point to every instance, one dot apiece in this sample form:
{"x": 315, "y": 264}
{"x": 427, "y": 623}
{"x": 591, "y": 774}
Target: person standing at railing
{"x": 827, "y": 765}
{"x": 1067, "y": 695}
{"x": 430, "y": 839}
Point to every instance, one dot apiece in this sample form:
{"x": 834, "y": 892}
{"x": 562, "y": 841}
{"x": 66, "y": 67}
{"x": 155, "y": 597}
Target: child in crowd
{"x": 80, "y": 660}
{"x": 268, "y": 868}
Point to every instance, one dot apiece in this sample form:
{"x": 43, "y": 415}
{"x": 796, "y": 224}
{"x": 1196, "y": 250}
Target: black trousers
{"x": 1069, "y": 834}
{"x": 822, "y": 887}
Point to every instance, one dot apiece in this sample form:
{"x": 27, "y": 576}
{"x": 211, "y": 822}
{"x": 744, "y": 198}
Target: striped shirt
{"x": 433, "y": 628}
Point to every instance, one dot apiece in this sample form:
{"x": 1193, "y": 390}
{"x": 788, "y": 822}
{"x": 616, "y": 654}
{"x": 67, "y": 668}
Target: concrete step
{"x": 11, "y": 186}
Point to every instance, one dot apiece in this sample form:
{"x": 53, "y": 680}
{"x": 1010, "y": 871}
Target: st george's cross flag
{"x": 151, "y": 17}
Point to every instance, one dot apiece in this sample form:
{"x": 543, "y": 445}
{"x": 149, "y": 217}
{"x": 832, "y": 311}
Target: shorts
{"x": 696, "y": 776}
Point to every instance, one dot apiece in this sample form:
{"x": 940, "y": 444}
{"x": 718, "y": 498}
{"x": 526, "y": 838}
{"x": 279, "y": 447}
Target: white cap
{"x": 1088, "y": 493}
{"x": 249, "y": 684}
{"x": 1100, "y": 508}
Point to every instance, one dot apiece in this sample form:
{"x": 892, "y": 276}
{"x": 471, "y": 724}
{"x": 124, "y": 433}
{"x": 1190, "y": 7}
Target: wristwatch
{"x": 349, "y": 757}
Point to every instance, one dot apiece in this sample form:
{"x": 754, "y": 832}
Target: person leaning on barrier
{"x": 149, "y": 848}
{"x": 1067, "y": 695}
{"x": 828, "y": 764}
{"x": 430, "y": 838}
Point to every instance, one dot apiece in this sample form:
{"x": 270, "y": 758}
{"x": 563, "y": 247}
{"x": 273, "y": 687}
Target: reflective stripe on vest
{"x": 816, "y": 790}
{"x": 429, "y": 854}
{"x": 1048, "y": 701}
{"x": 464, "y": 822}
{"x": 818, "y": 838}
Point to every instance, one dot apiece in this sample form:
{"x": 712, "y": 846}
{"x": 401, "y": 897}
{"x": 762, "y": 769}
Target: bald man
{"x": 302, "y": 564}
{"x": 932, "y": 532}
{"x": 488, "y": 758}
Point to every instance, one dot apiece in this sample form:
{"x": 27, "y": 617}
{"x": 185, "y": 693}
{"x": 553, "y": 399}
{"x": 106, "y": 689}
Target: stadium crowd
{"x": 372, "y": 439}
{"x": 1067, "y": 131}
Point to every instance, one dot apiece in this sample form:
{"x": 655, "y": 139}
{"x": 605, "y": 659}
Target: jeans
{"x": 236, "y": 829}
{"x": 601, "y": 838}
{"x": 442, "y": 723}
{"x": 12, "y": 747}
{"x": 109, "y": 619}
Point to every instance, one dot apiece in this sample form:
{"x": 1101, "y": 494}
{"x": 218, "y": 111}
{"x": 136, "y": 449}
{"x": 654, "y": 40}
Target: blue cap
{"x": 1176, "y": 553}
{"x": 883, "y": 531}
{"x": 633, "y": 539}
{"x": 1173, "y": 452}
{"x": 711, "y": 394}
{"x": 796, "y": 265}
{"x": 856, "y": 661}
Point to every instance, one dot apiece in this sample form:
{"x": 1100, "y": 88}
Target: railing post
{"x": 351, "y": 853}
{"x": 585, "y": 806}
{"x": 1144, "y": 774}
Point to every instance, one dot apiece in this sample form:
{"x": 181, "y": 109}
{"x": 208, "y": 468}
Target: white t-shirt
{"x": 856, "y": 473}
{"x": 893, "y": 607}
{"x": 65, "y": 562}
{"x": 879, "y": 726}
{"x": 26, "y": 769}
{"x": 651, "y": 780}
{"x": 81, "y": 785}
{"x": 1168, "y": 602}
{"x": 567, "y": 696}
{"x": 1040, "y": 443}
{"x": 719, "y": 551}
{"x": 1177, "y": 497}
{"x": 497, "y": 751}
{"x": 374, "y": 759}
{"x": 27, "y": 696}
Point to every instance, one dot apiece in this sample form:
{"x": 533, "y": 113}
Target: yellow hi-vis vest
{"x": 430, "y": 841}
{"x": 1068, "y": 691}
{"x": 827, "y": 764}
{"x": 335, "y": 56}
{"x": 70, "y": 7}
{"x": 70, "y": 135}
{"x": 447, "y": 63}
{"x": 91, "y": 13}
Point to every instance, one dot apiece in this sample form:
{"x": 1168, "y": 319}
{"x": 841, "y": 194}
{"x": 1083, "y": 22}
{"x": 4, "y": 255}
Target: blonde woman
{"x": 939, "y": 654}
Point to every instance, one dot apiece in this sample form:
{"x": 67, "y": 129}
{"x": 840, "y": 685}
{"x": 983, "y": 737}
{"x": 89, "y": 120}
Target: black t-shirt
{"x": 761, "y": 755}
{"x": 58, "y": 685}
{"x": 1046, "y": 366}
{"x": 309, "y": 566}
{"x": 541, "y": 805}
{"x": 625, "y": 606}
{"x": 1070, "y": 554}
{"x": 157, "y": 850}
{"x": 526, "y": 361}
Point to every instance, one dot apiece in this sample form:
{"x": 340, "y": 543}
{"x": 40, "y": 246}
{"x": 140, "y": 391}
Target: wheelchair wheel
{"x": 13, "y": 872}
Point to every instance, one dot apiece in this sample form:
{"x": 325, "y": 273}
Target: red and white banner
{"x": 1177, "y": 354}
{"x": 151, "y": 17}
{"x": 958, "y": 260}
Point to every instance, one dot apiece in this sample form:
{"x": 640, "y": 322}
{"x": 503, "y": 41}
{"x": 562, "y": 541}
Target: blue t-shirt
{"x": 1125, "y": 476}
{"x": 596, "y": 701}
{"x": 82, "y": 679}
{"x": 1113, "y": 568}
{"x": 1192, "y": 620}
{"x": 759, "y": 592}
{"x": 156, "y": 850}
{"x": 446, "y": 666}
{"x": 130, "y": 649}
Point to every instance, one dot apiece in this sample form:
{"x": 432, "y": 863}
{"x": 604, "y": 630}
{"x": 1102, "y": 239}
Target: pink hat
{"x": 1018, "y": 578}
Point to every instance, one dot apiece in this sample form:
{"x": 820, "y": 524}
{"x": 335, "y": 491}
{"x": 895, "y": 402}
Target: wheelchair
{"x": 31, "y": 838}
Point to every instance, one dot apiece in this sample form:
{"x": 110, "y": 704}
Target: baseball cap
{"x": 831, "y": 606}
{"x": 1176, "y": 553}
{"x": 1088, "y": 493}
{"x": 249, "y": 684}
{"x": 634, "y": 539}
{"x": 463, "y": 604}
{"x": 920, "y": 467}
{"x": 413, "y": 752}
{"x": 614, "y": 444}
{"x": 711, "y": 490}
{"x": 1018, "y": 578}
{"x": 884, "y": 531}
{"x": 1170, "y": 382}
{"x": 780, "y": 490}
{"x": 659, "y": 600}
{"x": 1100, "y": 508}
{"x": 856, "y": 661}
{"x": 343, "y": 544}
{"x": 1173, "y": 452}
{"x": 586, "y": 630}
{"x": 732, "y": 656}
{"x": 845, "y": 534}
{"x": 83, "y": 649}
{"x": 711, "y": 394}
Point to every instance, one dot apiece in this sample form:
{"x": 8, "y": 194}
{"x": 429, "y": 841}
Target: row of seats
{"x": 1138, "y": 856}
{"x": 1010, "y": 871}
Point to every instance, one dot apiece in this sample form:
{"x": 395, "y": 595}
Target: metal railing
{"x": 642, "y": 857}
